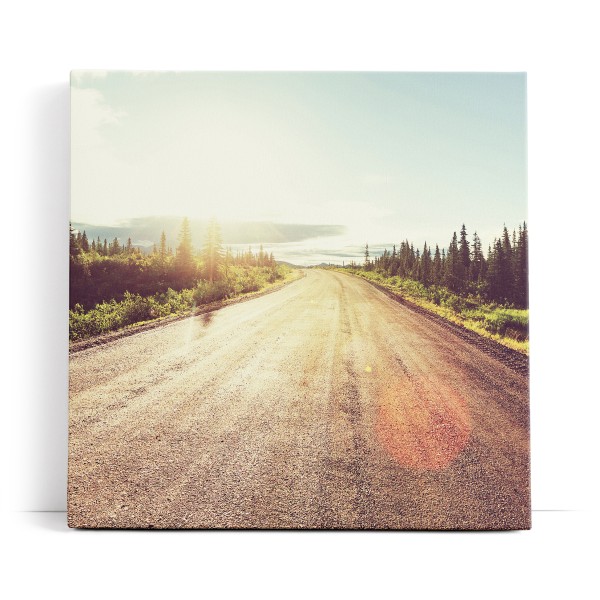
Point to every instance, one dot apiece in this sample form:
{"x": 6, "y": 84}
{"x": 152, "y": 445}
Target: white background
{"x": 555, "y": 43}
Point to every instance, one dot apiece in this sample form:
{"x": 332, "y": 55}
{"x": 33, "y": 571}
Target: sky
{"x": 383, "y": 156}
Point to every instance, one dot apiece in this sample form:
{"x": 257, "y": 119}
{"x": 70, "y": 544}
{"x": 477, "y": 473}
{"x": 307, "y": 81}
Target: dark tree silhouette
{"x": 463, "y": 269}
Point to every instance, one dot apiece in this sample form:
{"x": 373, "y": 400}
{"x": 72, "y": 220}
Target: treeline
{"x": 101, "y": 270}
{"x": 501, "y": 276}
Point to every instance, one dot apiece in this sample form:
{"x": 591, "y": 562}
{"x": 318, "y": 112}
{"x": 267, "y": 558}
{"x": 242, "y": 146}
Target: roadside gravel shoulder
{"x": 106, "y": 338}
{"x": 511, "y": 358}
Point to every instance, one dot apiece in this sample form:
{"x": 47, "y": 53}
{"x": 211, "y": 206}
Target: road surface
{"x": 325, "y": 404}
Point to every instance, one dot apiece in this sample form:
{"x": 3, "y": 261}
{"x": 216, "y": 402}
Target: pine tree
{"x": 437, "y": 266}
{"x": 367, "y": 263}
{"x": 393, "y": 268}
{"x": 212, "y": 251}
{"x": 476, "y": 271}
{"x": 185, "y": 268}
{"x": 74, "y": 248}
{"x": 85, "y": 245}
{"x": 453, "y": 270}
{"x": 115, "y": 248}
{"x": 227, "y": 260}
{"x": 426, "y": 266}
{"x": 163, "y": 245}
{"x": 465, "y": 258}
{"x": 521, "y": 268}
{"x": 384, "y": 261}
{"x": 416, "y": 274}
{"x": 497, "y": 273}
{"x": 507, "y": 272}
{"x": 412, "y": 262}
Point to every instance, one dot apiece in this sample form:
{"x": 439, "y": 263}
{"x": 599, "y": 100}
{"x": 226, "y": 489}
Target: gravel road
{"x": 323, "y": 405}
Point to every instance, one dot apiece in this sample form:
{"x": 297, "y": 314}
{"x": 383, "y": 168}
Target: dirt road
{"x": 323, "y": 405}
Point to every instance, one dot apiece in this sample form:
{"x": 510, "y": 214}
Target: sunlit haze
{"x": 385, "y": 156}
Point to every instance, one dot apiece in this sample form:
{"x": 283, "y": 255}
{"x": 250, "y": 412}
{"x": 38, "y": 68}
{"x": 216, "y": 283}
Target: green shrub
{"x": 134, "y": 308}
{"x": 500, "y": 321}
{"x": 206, "y": 292}
{"x": 113, "y": 315}
{"x": 470, "y": 310}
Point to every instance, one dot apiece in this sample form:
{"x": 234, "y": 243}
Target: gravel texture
{"x": 324, "y": 405}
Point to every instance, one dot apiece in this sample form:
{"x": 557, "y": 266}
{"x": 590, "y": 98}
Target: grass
{"x": 135, "y": 309}
{"x": 507, "y": 325}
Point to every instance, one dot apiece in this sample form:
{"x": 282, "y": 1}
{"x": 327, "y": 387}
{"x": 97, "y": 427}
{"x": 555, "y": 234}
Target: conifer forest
{"x": 485, "y": 292}
{"x": 113, "y": 285}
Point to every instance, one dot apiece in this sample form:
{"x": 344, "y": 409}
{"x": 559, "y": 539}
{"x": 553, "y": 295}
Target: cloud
{"x": 89, "y": 113}
{"x": 233, "y": 232}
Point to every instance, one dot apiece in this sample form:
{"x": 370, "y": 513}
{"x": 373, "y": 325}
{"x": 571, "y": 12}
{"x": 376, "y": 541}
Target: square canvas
{"x": 298, "y": 301}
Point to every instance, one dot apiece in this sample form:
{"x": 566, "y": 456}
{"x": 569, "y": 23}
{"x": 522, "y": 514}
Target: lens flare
{"x": 424, "y": 431}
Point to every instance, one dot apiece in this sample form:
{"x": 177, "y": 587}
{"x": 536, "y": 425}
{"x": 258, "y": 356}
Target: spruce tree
{"x": 393, "y": 269}
{"x": 492, "y": 276}
{"x": 465, "y": 257}
{"x": 185, "y": 268}
{"x": 163, "y": 245}
{"x": 426, "y": 266}
{"x": 212, "y": 251}
{"x": 521, "y": 268}
{"x": 74, "y": 248}
{"x": 476, "y": 270}
{"x": 115, "y": 248}
{"x": 437, "y": 266}
{"x": 453, "y": 270}
{"x": 507, "y": 270}
{"x": 384, "y": 261}
{"x": 416, "y": 274}
{"x": 403, "y": 259}
{"x": 227, "y": 260}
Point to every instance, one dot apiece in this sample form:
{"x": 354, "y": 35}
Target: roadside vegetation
{"x": 487, "y": 294}
{"x": 113, "y": 286}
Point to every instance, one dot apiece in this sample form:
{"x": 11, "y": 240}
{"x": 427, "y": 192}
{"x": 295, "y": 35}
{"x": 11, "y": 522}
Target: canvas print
{"x": 298, "y": 301}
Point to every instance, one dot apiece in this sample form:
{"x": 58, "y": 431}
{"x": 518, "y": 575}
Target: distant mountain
{"x": 289, "y": 264}
{"x": 145, "y": 232}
